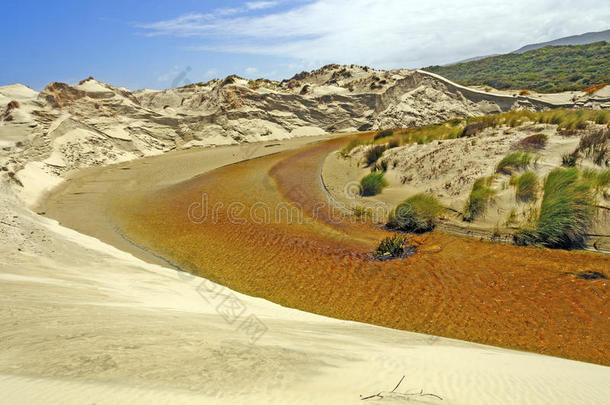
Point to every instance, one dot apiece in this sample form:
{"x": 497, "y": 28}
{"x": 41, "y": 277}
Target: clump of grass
{"x": 536, "y": 141}
{"x": 570, "y": 159}
{"x": 416, "y": 214}
{"x": 514, "y": 161}
{"x": 373, "y": 153}
{"x": 372, "y": 184}
{"x": 601, "y": 118}
{"x": 566, "y": 213}
{"x": 526, "y": 186}
{"x": 381, "y": 166}
{"x": 598, "y": 179}
{"x": 351, "y": 145}
{"x": 480, "y": 196}
{"x": 393, "y": 247}
{"x": 595, "y": 145}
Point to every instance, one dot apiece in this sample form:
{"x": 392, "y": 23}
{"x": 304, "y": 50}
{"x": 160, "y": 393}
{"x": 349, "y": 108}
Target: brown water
{"x": 318, "y": 261}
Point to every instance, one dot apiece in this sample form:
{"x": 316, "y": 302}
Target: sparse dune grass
{"x": 372, "y": 184}
{"x": 373, "y": 153}
{"x": 514, "y": 161}
{"x": 566, "y": 213}
{"x": 599, "y": 179}
{"x": 416, "y": 214}
{"x": 480, "y": 196}
{"x": 569, "y": 121}
{"x": 526, "y": 186}
{"x": 351, "y": 145}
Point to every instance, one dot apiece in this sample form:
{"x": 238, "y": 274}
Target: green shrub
{"x": 373, "y": 153}
{"x": 566, "y": 213}
{"x": 527, "y": 186}
{"x": 514, "y": 161}
{"x": 480, "y": 195}
{"x": 396, "y": 246}
{"x": 372, "y": 184}
{"x": 416, "y": 214}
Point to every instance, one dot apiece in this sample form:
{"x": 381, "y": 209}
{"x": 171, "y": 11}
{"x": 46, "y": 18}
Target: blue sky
{"x": 162, "y": 44}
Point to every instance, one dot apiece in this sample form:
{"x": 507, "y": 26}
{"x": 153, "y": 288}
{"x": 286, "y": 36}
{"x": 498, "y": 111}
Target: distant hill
{"x": 549, "y": 69}
{"x": 588, "y": 38}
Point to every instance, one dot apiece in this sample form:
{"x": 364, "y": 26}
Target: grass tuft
{"x": 514, "y": 161}
{"x": 566, "y": 213}
{"x": 372, "y": 184}
{"x": 392, "y": 247}
{"x": 480, "y": 196}
{"x": 526, "y": 186}
{"x": 374, "y": 153}
{"x": 416, "y": 214}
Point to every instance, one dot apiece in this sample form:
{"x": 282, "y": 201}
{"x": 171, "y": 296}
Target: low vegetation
{"x": 566, "y": 212}
{"x": 480, "y": 196}
{"x": 536, "y": 141}
{"x": 568, "y": 121}
{"x": 596, "y": 145}
{"x": 393, "y": 247}
{"x": 550, "y": 69}
{"x": 514, "y": 161}
{"x": 372, "y": 184}
{"x": 416, "y": 214}
{"x": 373, "y": 153}
{"x": 526, "y": 186}
{"x": 351, "y": 145}
{"x": 598, "y": 179}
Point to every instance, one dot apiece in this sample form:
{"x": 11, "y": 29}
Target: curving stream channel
{"x": 265, "y": 227}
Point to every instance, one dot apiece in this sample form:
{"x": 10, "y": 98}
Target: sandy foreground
{"x": 85, "y": 322}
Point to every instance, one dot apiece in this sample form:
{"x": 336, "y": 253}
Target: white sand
{"x": 84, "y": 322}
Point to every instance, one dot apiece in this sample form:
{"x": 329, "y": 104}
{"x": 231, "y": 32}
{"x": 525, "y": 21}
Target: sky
{"x": 160, "y": 44}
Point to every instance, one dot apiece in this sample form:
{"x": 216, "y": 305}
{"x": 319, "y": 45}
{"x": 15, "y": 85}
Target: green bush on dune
{"x": 416, "y": 214}
{"x": 372, "y": 184}
{"x": 480, "y": 195}
{"x": 566, "y": 213}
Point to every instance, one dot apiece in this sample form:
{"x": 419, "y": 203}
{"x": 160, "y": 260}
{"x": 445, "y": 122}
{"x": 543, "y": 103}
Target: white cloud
{"x": 259, "y": 5}
{"x": 388, "y": 33}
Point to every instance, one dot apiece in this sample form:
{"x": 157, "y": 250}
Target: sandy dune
{"x": 84, "y": 322}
